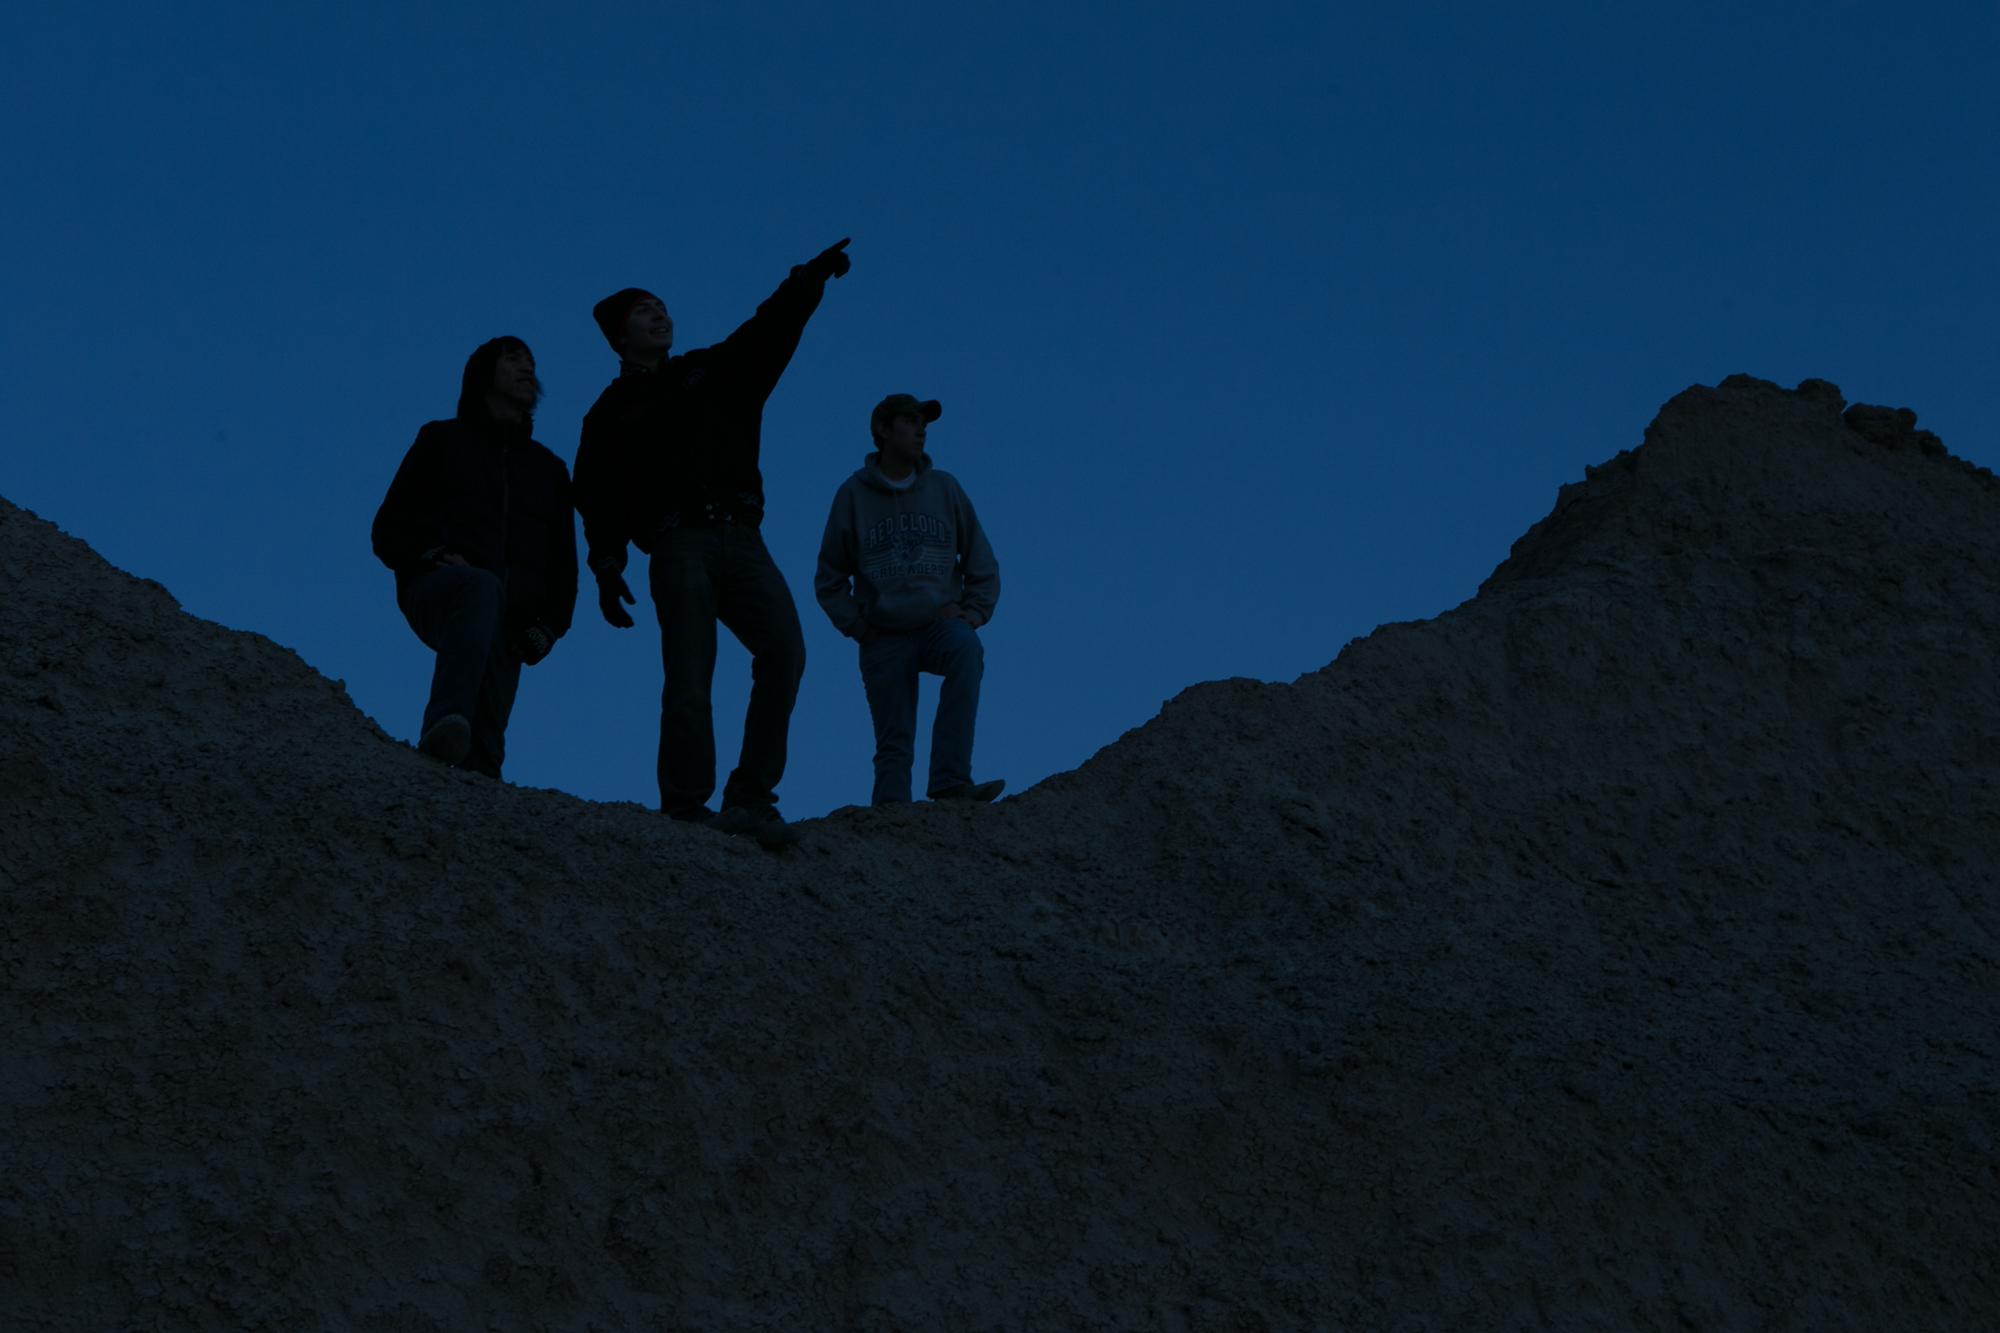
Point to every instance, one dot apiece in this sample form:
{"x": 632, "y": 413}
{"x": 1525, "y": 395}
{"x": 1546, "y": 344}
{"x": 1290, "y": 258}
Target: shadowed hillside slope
{"x": 1617, "y": 950}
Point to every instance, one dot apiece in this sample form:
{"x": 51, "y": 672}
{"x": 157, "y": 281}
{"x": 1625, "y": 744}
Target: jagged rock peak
{"x": 1721, "y": 461}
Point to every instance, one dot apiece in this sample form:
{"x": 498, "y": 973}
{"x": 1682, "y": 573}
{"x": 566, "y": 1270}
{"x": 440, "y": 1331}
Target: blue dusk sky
{"x": 1256, "y": 325}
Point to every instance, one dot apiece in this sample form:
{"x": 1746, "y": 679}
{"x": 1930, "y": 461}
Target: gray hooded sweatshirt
{"x": 892, "y": 558}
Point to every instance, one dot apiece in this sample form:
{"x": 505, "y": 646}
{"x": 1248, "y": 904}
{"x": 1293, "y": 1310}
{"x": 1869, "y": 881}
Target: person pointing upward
{"x": 668, "y": 462}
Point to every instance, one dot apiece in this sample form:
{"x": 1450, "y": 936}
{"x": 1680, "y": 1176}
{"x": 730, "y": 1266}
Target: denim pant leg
{"x": 753, "y": 600}
{"x": 495, "y": 705}
{"x": 951, "y": 648}
{"x": 457, "y": 611}
{"x": 889, "y": 677}
{"x": 683, "y": 592}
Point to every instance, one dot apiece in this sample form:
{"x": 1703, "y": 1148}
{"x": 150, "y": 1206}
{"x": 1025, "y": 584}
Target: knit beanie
{"x": 611, "y": 311}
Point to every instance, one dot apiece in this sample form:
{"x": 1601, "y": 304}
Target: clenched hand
{"x": 611, "y": 590}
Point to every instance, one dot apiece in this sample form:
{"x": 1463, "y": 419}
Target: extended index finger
{"x": 840, "y": 244}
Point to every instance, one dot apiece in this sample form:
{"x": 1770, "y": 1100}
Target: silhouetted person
{"x": 478, "y": 527}
{"x": 906, "y": 571}
{"x": 668, "y": 462}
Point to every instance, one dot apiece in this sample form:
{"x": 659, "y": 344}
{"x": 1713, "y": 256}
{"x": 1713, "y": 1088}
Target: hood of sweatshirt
{"x": 870, "y": 473}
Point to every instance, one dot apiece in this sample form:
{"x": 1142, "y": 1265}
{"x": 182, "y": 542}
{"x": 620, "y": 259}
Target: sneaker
{"x": 691, "y": 814}
{"x": 448, "y": 739}
{"x": 762, "y": 823}
{"x": 972, "y": 791}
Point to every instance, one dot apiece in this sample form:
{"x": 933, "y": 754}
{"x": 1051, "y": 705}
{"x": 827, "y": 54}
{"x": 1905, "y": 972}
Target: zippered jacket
{"x": 891, "y": 559}
{"x": 497, "y": 498}
{"x": 679, "y": 445}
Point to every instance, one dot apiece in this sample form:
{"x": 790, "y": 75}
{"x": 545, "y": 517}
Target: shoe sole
{"x": 977, "y": 792}
{"x": 765, "y": 833}
{"x": 447, "y": 740}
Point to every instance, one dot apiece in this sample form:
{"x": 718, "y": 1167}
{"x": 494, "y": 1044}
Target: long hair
{"x": 478, "y": 378}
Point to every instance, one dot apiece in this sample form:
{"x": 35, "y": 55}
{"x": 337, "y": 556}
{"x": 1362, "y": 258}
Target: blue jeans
{"x": 700, "y": 576}
{"x": 889, "y": 667}
{"x": 460, "y": 613}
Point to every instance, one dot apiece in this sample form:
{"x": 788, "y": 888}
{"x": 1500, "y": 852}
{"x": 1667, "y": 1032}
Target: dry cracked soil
{"x": 1614, "y": 951}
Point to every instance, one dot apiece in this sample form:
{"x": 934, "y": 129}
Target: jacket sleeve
{"x": 561, "y": 575}
{"x": 411, "y": 521}
{"x": 597, "y": 492}
{"x": 833, "y": 582}
{"x": 976, "y": 561}
{"x": 762, "y": 346}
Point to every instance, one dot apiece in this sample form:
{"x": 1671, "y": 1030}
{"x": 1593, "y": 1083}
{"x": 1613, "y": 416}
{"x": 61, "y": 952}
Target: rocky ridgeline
{"x": 1617, "y": 950}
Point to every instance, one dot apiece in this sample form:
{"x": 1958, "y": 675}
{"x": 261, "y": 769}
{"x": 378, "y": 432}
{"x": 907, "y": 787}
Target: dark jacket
{"x": 500, "y": 500}
{"x": 679, "y": 445}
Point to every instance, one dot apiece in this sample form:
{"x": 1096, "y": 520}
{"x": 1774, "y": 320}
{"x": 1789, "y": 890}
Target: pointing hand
{"x": 831, "y": 262}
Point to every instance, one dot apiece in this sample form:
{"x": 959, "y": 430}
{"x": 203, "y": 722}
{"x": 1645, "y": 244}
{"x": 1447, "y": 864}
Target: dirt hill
{"x": 1617, "y": 950}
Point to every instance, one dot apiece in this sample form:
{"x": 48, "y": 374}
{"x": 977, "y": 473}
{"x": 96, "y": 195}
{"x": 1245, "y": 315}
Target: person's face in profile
{"x": 649, "y": 331}
{"x": 514, "y": 376}
{"x": 903, "y": 438}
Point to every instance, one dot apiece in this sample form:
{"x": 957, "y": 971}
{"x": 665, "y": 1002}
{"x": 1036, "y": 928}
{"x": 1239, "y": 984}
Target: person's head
{"x": 499, "y": 383}
{"x": 636, "y": 324}
{"x": 899, "y": 424}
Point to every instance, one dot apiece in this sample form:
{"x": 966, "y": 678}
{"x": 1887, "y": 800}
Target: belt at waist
{"x": 712, "y": 516}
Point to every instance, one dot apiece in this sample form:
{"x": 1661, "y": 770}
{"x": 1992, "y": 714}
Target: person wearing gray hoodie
{"x": 906, "y": 571}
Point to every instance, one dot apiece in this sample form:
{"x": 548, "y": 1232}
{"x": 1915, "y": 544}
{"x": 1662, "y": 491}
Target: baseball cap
{"x": 899, "y": 404}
